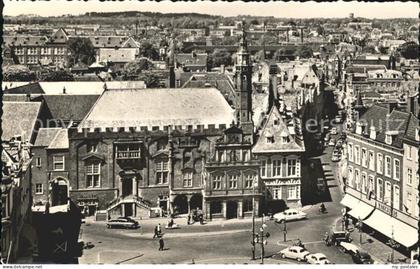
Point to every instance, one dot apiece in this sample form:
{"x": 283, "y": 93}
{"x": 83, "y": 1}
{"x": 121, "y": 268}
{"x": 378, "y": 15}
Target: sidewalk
{"x": 379, "y": 251}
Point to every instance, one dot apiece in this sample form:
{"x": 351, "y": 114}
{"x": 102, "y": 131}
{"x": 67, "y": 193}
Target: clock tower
{"x": 243, "y": 73}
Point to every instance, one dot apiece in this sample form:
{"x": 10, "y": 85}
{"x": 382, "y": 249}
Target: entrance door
{"x": 128, "y": 210}
{"x": 127, "y": 186}
{"x": 231, "y": 210}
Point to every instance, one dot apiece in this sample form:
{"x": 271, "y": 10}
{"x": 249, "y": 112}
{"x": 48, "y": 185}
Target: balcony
{"x": 128, "y": 155}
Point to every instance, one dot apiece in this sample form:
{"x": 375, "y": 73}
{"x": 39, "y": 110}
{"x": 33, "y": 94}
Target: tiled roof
{"x": 191, "y": 59}
{"x": 399, "y": 121}
{"x": 60, "y": 140}
{"x": 211, "y": 79}
{"x": 69, "y": 107}
{"x": 159, "y": 107}
{"x": 276, "y": 127}
{"x": 24, "y": 40}
{"x": 19, "y": 118}
{"x": 32, "y": 88}
{"x": 119, "y": 55}
{"x": 76, "y": 87}
{"x": 45, "y": 136}
{"x": 107, "y": 41}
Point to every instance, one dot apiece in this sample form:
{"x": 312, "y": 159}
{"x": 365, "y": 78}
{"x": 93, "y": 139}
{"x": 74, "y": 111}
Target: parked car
{"x": 123, "y": 222}
{"x": 336, "y": 237}
{"x": 348, "y": 247}
{"x": 317, "y": 258}
{"x": 339, "y": 144}
{"x": 332, "y": 142}
{"x": 362, "y": 257}
{"x": 327, "y": 137}
{"x": 289, "y": 214}
{"x": 338, "y": 119}
{"x": 294, "y": 252}
{"x": 334, "y": 130}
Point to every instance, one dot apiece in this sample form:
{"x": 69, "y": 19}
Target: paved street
{"x": 219, "y": 241}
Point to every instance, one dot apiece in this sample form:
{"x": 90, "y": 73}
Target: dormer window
{"x": 285, "y": 139}
{"x": 372, "y": 134}
{"x": 270, "y": 139}
{"x": 359, "y": 128}
{"x": 388, "y": 139}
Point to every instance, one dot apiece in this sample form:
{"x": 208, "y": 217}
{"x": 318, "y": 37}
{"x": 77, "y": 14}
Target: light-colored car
{"x": 294, "y": 252}
{"x": 317, "y": 258}
{"x": 289, "y": 214}
{"x": 331, "y": 143}
{"x": 348, "y": 247}
{"x": 334, "y": 130}
{"x": 123, "y": 222}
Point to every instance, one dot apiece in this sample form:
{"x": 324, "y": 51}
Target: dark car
{"x": 123, "y": 222}
{"x": 362, "y": 257}
{"x": 338, "y": 236}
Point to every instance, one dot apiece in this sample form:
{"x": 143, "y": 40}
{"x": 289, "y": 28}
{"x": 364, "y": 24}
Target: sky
{"x": 277, "y": 9}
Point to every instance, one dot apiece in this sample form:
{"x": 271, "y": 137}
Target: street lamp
{"x": 284, "y": 231}
{"x": 260, "y": 238}
{"x": 393, "y": 244}
{"x": 360, "y": 225}
{"x": 255, "y": 184}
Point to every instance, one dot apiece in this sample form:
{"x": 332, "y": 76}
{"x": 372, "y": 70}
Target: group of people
{"x": 195, "y": 215}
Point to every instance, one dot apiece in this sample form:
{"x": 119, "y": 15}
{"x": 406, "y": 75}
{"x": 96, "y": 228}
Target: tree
{"x": 59, "y": 75}
{"x": 151, "y": 80}
{"x": 221, "y": 56}
{"x": 147, "y": 50}
{"x": 304, "y": 52}
{"x": 409, "y": 50}
{"x": 18, "y": 73}
{"x": 81, "y": 50}
{"x": 134, "y": 69}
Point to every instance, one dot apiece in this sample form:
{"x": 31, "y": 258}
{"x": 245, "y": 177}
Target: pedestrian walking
{"x": 156, "y": 232}
{"x": 161, "y": 244}
{"x": 189, "y": 219}
{"x": 159, "y": 230}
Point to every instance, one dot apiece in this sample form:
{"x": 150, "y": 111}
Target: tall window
{"x": 276, "y": 168}
{"x": 263, "y": 168}
{"x": 371, "y": 185}
{"x": 357, "y": 178}
{"x": 387, "y": 194}
{"x": 38, "y": 162}
{"x": 396, "y": 199}
{"x": 233, "y": 181}
{"x": 58, "y": 163}
{"x": 249, "y": 181}
{"x": 350, "y": 151}
{"x": 350, "y": 180}
{"x": 380, "y": 190}
{"x": 396, "y": 169}
{"x": 371, "y": 160}
{"x": 217, "y": 182}
{"x": 387, "y": 166}
{"x": 364, "y": 183}
{"x": 292, "y": 192}
{"x": 39, "y": 188}
{"x": 409, "y": 176}
{"x": 357, "y": 154}
{"x": 162, "y": 171}
{"x": 277, "y": 194}
{"x": 409, "y": 154}
{"x": 93, "y": 175}
{"x": 188, "y": 176}
{"x": 380, "y": 163}
{"x": 291, "y": 167}
{"x": 364, "y": 157}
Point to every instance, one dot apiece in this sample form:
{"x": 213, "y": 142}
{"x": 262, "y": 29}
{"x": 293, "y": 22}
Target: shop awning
{"x": 361, "y": 210}
{"x": 404, "y": 234}
{"x": 350, "y": 201}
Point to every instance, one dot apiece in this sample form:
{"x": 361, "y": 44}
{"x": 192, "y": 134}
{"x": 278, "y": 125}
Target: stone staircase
{"x": 144, "y": 206}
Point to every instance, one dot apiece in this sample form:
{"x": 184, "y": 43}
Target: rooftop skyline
{"x": 277, "y": 9}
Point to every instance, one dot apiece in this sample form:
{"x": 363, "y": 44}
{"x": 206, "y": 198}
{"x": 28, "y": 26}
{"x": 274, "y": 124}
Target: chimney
{"x": 28, "y": 97}
{"x": 64, "y": 90}
{"x": 222, "y": 68}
